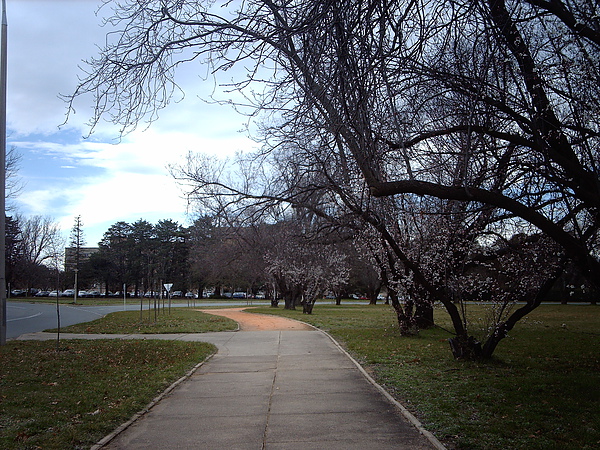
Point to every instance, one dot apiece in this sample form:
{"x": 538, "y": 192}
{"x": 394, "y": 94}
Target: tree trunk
{"x": 291, "y": 299}
{"x": 465, "y": 347}
{"x": 307, "y": 307}
{"x": 406, "y": 322}
{"x": 288, "y": 302}
{"x": 424, "y": 314}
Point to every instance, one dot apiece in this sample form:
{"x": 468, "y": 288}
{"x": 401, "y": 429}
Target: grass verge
{"x": 179, "y": 320}
{"x": 540, "y": 391}
{"x": 72, "y": 398}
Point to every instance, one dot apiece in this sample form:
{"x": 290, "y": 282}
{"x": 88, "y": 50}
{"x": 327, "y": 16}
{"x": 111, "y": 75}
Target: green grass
{"x": 540, "y": 391}
{"x": 179, "y": 320}
{"x": 72, "y": 398}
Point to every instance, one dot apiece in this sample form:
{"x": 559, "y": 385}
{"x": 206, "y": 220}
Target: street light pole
{"x": 3, "y": 59}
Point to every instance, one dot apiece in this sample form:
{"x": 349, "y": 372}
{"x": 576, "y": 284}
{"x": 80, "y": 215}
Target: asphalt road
{"x": 23, "y": 317}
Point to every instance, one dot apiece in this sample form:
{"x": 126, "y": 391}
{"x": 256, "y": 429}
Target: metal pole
{"x": 76, "y": 287}
{"x": 3, "y": 59}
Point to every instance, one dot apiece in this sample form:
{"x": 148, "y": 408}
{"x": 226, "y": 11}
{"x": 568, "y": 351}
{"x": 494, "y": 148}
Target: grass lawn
{"x": 179, "y": 320}
{"x": 72, "y": 398}
{"x": 540, "y": 391}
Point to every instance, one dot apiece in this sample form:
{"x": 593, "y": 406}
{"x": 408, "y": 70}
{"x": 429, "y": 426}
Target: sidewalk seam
{"x": 264, "y": 443}
{"x": 108, "y": 438}
{"x": 405, "y": 412}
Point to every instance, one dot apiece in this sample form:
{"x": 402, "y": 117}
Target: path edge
{"x": 405, "y": 412}
{"x": 138, "y": 415}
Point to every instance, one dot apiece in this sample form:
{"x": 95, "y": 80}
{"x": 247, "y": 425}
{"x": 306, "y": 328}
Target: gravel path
{"x": 259, "y": 322}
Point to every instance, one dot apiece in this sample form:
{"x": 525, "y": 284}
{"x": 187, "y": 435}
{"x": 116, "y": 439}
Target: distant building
{"x": 71, "y": 256}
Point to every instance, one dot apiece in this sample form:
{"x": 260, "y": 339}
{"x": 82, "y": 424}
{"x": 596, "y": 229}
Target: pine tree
{"x": 77, "y": 242}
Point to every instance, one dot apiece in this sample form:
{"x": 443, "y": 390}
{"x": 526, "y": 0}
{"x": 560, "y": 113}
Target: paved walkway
{"x": 270, "y": 390}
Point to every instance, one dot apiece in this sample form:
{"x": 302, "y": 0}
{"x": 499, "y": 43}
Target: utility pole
{"x": 3, "y": 58}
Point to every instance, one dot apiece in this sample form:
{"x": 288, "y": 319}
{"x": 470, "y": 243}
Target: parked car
{"x": 18, "y": 293}
{"x": 68, "y": 293}
{"x": 190, "y": 295}
{"x": 42, "y": 294}
{"x": 177, "y": 294}
{"x": 93, "y": 294}
{"x": 82, "y": 294}
{"x": 54, "y": 294}
{"x": 239, "y": 295}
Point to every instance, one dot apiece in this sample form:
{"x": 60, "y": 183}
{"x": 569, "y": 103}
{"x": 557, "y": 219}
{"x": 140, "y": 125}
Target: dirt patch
{"x": 259, "y": 322}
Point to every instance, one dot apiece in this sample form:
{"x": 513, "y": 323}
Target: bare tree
{"x": 39, "y": 236}
{"x": 54, "y": 253}
{"x": 14, "y": 185}
{"x": 528, "y": 63}
{"x": 489, "y": 106}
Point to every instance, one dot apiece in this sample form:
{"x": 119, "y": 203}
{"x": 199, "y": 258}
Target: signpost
{"x": 168, "y": 287}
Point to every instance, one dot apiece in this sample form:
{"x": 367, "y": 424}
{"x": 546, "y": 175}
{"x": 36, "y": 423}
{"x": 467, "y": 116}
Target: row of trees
{"x": 34, "y": 252}
{"x": 141, "y": 255}
{"x": 272, "y": 258}
{"x": 458, "y": 141}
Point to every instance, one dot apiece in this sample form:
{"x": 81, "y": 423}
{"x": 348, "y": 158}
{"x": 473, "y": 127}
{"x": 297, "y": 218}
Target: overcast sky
{"x": 65, "y": 175}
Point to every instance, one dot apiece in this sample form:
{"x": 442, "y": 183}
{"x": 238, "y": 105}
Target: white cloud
{"x": 47, "y": 40}
{"x": 131, "y": 180}
{"x": 96, "y": 178}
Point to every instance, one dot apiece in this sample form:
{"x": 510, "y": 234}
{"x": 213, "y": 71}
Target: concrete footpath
{"x": 271, "y": 390}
